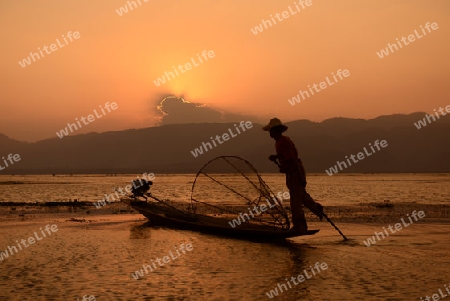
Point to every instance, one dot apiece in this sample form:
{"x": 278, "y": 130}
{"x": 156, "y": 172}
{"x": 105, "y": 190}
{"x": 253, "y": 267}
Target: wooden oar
{"x": 328, "y": 219}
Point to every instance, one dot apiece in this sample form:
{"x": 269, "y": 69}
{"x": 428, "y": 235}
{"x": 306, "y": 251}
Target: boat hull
{"x": 161, "y": 216}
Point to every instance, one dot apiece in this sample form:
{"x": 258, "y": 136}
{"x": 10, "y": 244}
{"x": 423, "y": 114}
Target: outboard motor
{"x": 140, "y": 187}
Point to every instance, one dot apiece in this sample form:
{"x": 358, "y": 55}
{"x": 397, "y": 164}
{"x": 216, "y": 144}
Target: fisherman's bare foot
{"x": 300, "y": 229}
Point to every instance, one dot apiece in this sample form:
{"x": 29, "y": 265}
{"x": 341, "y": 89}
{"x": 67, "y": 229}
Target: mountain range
{"x": 170, "y": 148}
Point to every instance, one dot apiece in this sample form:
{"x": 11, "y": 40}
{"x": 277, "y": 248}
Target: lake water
{"x": 351, "y": 189}
{"x": 98, "y": 257}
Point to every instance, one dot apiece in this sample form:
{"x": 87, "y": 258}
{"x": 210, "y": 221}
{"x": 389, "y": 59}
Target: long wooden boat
{"x": 160, "y": 215}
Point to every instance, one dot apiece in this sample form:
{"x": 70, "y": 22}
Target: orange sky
{"x": 117, "y": 58}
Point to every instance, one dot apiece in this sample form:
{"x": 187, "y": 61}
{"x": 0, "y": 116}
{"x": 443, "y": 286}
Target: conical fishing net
{"x": 229, "y": 186}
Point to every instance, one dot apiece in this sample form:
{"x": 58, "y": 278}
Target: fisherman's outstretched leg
{"x": 307, "y": 200}
{"x": 312, "y": 205}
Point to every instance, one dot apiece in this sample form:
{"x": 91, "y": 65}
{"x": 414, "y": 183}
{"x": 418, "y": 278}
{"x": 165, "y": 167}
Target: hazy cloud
{"x": 178, "y": 110}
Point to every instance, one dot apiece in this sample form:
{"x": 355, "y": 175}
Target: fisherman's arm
{"x": 287, "y": 155}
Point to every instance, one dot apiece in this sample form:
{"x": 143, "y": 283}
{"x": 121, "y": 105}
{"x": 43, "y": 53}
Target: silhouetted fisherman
{"x": 292, "y": 166}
